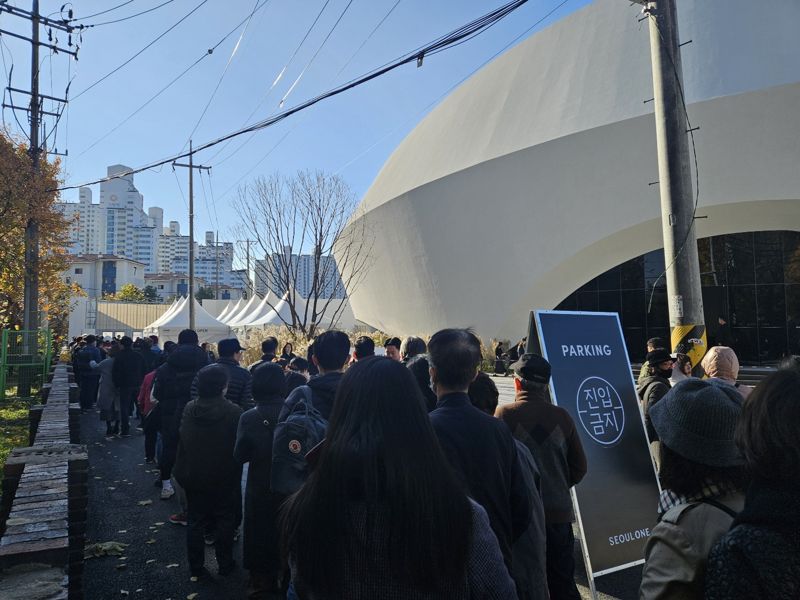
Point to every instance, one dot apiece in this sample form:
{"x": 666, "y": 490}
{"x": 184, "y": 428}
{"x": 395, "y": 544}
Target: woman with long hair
{"x": 287, "y": 353}
{"x": 382, "y": 515}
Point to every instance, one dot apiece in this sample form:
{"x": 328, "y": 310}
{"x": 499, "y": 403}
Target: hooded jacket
{"x": 720, "y": 362}
{"x": 173, "y": 385}
{"x": 129, "y": 369}
{"x": 205, "y": 452}
{"x": 323, "y": 392}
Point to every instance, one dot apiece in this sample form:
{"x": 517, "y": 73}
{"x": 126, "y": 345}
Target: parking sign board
{"x": 591, "y": 378}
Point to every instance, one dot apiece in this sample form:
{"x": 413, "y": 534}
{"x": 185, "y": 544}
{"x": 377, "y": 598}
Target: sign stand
{"x": 615, "y": 504}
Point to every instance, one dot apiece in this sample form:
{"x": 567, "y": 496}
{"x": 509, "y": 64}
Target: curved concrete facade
{"x": 532, "y": 177}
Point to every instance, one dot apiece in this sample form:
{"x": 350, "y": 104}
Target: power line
{"x": 311, "y": 60}
{"x": 139, "y": 14}
{"x": 332, "y": 81}
{"x": 102, "y": 12}
{"x": 274, "y": 83}
{"x": 415, "y": 56}
{"x": 224, "y": 71}
{"x": 205, "y": 55}
{"x": 110, "y": 73}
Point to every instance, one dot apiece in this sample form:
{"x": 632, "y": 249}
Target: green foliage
{"x": 127, "y": 293}
{"x": 205, "y": 293}
{"x": 150, "y": 293}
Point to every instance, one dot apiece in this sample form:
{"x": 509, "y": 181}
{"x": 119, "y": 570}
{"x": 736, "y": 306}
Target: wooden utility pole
{"x": 684, "y": 293}
{"x": 191, "y": 166}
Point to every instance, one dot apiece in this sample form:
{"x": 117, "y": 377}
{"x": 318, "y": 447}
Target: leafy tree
{"x": 127, "y": 293}
{"x": 24, "y": 196}
{"x": 204, "y": 293}
{"x": 150, "y": 293}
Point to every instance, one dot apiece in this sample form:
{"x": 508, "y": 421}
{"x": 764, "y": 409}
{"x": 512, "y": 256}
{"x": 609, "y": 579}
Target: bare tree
{"x": 307, "y": 215}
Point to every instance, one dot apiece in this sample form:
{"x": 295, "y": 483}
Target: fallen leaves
{"x": 192, "y": 596}
{"x": 144, "y": 502}
{"x": 173, "y": 565}
{"x": 111, "y": 548}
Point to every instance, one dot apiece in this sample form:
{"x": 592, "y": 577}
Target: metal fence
{"x": 25, "y": 358}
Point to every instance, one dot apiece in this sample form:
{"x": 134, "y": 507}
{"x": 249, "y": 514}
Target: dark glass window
{"x": 632, "y": 274}
{"x": 771, "y": 305}
{"x": 742, "y": 299}
{"x": 791, "y": 256}
{"x": 609, "y": 280}
{"x": 746, "y": 343}
{"x": 741, "y": 268}
{"x": 768, "y": 257}
{"x": 633, "y": 308}
{"x": 771, "y": 343}
{"x": 609, "y": 301}
{"x": 654, "y": 269}
{"x": 587, "y": 301}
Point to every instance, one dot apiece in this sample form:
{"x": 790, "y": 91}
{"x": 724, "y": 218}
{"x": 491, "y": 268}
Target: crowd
{"x": 399, "y": 476}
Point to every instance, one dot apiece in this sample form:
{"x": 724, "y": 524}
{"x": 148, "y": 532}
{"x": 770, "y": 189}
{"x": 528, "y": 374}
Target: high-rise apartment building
{"x": 118, "y": 225}
{"x": 271, "y": 274}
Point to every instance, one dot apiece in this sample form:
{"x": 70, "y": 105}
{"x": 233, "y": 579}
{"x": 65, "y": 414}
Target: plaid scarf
{"x": 669, "y": 499}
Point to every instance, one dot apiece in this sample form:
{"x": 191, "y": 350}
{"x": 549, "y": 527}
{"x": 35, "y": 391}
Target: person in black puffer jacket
{"x": 173, "y": 390}
{"x": 759, "y": 557}
{"x": 240, "y": 380}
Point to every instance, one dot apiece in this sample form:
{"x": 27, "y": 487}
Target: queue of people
{"x": 401, "y": 477}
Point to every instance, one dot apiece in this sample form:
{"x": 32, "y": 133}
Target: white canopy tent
{"x": 207, "y": 327}
{"x": 345, "y": 319}
{"x": 245, "y": 310}
{"x": 233, "y": 311}
{"x": 263, "y": 308}
{"x": 221, "y": 316}
{"x": 176, "y": 304}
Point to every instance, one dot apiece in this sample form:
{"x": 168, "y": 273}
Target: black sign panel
{"x": 592, "y": 380}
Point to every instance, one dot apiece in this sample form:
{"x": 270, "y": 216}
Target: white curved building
{"x": 532, "y": 178}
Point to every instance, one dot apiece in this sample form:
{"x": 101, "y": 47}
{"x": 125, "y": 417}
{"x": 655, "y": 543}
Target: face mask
{"x": 666, "y": 374}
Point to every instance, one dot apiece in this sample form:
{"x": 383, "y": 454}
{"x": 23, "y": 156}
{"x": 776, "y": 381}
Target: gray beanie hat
{"x": 697, "y": 419}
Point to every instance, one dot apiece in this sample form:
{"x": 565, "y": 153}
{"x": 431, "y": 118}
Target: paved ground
{"x": 155, "y": 564}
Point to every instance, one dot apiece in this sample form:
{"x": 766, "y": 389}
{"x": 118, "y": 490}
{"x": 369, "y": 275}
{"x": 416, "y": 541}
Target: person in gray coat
{"x": 107, "y": 392}
{"x": 261, "y": 547}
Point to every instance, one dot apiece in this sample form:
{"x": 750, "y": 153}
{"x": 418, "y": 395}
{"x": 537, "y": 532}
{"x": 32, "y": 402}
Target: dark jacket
{"x": 83, "y": 359}
{"x": 205, "y": 452}
{"x": 323, "y": 391}
{"x": 760, "y": 556}
{"x": 265, "y": 358}
{"x": 149, "y": 357}
{"x": 128, "y": 370}
{"x": 651, "y": 389}
{"x": 261, "y": 547}
{"x": 483, "y": 456}
{"x": 173, "y": 385}
{"x": 549, "y": 433}
{"x": 529, "y": 567}
{"x": 240, "y": 384}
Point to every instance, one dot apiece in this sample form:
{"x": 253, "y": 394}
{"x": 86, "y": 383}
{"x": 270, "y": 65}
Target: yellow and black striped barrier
{"x": 692, "y": 339}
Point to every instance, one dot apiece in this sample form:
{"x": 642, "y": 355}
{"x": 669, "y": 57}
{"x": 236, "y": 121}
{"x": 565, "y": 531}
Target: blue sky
{"x": 352, "y": 134}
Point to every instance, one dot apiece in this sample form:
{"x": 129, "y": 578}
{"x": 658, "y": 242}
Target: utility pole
{"x": 684, "y": 293}
{"x": 35, "y": 112}
{"x": 191, "y": 166}
{"x": 216, "y": 255}
{"x": 249, "y": 281}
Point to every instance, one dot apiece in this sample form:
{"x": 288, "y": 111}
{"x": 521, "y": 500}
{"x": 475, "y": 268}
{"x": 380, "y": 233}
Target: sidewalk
{"x": 155, "y": 565}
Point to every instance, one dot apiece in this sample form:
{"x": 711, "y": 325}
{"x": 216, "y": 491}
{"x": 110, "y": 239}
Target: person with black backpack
{"x": 304, "y": 417}
{"x": 261, "y": 548}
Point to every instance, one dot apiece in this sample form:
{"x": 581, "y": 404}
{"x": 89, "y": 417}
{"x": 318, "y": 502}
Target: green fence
{"x": 25, "y": 358}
